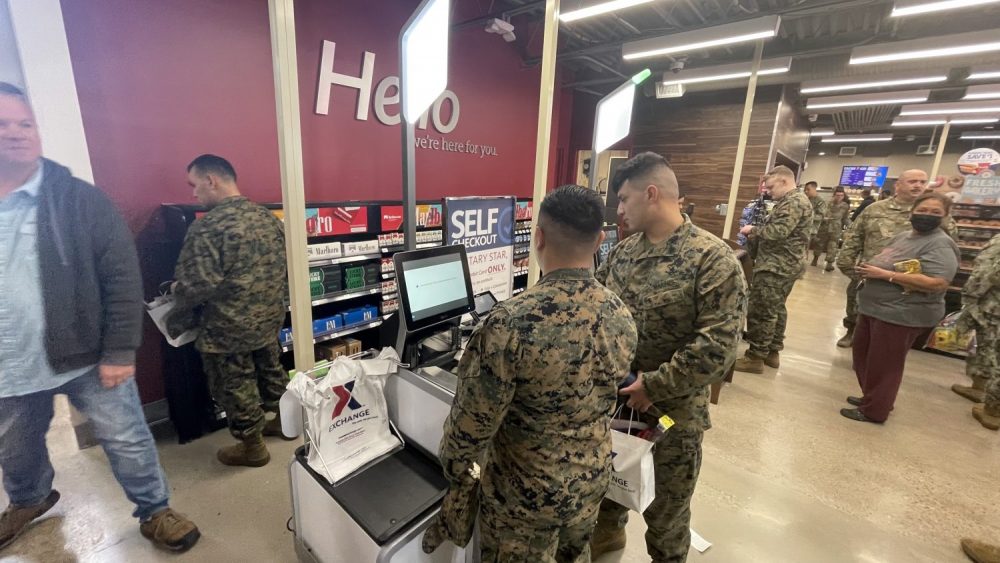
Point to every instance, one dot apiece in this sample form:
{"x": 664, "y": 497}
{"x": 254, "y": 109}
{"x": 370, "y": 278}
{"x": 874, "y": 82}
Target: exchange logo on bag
{"x": 345, "y": 398}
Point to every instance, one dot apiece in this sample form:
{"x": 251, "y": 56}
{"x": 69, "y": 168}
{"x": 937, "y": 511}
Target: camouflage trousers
{"x": 246, "y": 385}
{"x": 767, "y": 315}
{"x": 668, "y": 519}
{"x": 828, "y": 243}
{"x": 851, "y": 312}
{"x": 984, "y": 366}
{"x": 506, "y": 541}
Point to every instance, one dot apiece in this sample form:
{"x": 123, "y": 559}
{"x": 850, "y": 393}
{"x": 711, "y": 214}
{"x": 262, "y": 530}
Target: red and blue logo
{"x": 345, "y": 399}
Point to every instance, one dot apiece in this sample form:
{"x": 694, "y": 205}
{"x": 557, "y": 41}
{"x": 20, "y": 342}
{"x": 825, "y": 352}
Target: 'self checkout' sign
{"x": 486, "y": 227}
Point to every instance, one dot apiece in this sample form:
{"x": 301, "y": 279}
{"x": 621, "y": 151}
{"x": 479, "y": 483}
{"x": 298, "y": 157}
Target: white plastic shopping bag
{"x": 346, "y": 418}
{"x": 159, "y": 309}
{"x": 633, "y": 484}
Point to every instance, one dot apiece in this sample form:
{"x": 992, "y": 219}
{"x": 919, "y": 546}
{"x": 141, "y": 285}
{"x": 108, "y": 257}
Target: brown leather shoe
{"x": 170, "y": 530}
{"x": 251, "y": 452}
{"x": 981, "y": 552}
{"x": 970, "y": 393}
{"x": 773, "y": 360}
{"x": 273, "y": 428}
{"x": 987, "y": 419}
{"x": 749, "y": 364}
{"x": 847, "y": 340}
{"x": 606, "y": 540}
{"x": 855, "y": 414}
{"x": 15, "y": 519}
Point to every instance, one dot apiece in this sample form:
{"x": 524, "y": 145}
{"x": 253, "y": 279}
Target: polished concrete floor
{"x": 785, "y": 477}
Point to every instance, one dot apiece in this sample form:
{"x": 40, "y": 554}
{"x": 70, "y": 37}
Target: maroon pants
{"x": 879, "y": 356}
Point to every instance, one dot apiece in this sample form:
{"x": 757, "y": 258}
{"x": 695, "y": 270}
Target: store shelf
{"x": 400, "y": 248}
{"x": 388, "y": 275}
{"x": 388, "y": 296}
{"x": 968, "y": 247}
{"x": 346, "y": 294}
{"x": 345, "y": 260}
{"x": 980, "y": 227}
{"x": 337, "y": 334}
{"x": 518, "y": 290}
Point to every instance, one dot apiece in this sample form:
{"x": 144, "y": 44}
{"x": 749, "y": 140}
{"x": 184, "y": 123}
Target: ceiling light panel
{"x": 928, "y": 120}
{"x": 873, "y": 81}
{"x": 952, "y": 108}
{"x": 984, "y": 72}
{"x": 821, "y": 132}
{"x": 873, "y": 138}
{"x": 928, "y": 48}
{"x": 916, "y": 7}
{"x": 589, "y": 9}
{"x": 726, "y": 72}
{"x": 982, "y": 92}
{"x": 728, "y": 34}
{"x": 877, "y": 99}
{"x": 978, "y": 135}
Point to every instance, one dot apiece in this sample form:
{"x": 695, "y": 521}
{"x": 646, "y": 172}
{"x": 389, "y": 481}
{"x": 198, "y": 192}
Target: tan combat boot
{"x": 773, "y": 360}
{"x": 749, "y": 364}
{"x": 847, "y": 340}
{"x": 251, "y": 452}
{"x": 976, "y": 393}
{"x": 170, "y": 530}
{"x": 606, "y": 539}
{"x": 15, "y": 519}
{"x": 985, "y": 417}
{"x": 981, "y": 552}
{"x": 273, "y": 428}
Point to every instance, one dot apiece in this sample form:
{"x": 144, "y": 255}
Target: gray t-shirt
{"x": 939, "y": 257}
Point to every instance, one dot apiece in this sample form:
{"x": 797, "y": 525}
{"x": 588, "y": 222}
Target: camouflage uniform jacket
{"x": 820, "y": 207}
{"x": 981, "y": 292}
{"x": 689, "y": 300}
{"x": 874, "y": 228}
{"x": 835, "y": 219}
{"x": 783, "y": 238}
{"x": 231, "y": 278}
{"x": 537, "y": 387}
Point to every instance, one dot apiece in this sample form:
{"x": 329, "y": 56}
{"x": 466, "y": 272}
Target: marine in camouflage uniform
{"x": 688, "y": 297}
{"x": 783, "y": 240}
{"x": 537, "y": 387}
{"x": 981, "y": 312}
{"x": 834, "y": 222}
{"x": 867, "y": 236}
{"x": 820, "y": 207}
{"x": 232, "y": 283}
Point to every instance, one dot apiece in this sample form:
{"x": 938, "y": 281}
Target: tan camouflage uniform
{"x": 868, "y": 235}
{"x": 783, "y": 240}
{"x": 834, "y": 222}
{"x": 981, "y": 312}
{"x": 537, "y": 388}
{"x": 688, "y": 297}
{"x": 232, "y": 282}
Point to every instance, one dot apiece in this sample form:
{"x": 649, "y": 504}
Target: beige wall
{"x": 826, "y": 169}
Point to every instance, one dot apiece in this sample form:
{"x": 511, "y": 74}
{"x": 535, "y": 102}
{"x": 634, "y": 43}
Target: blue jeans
{"x": 119, "y": 425}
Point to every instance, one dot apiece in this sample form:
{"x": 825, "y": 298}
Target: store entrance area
{"x": 785, "y": 477}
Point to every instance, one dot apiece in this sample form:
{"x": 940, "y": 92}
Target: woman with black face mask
{"x": 901, "y": 297}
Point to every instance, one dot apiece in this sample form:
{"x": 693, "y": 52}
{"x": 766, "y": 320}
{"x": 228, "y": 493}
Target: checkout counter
{"x": 379, "y": 514}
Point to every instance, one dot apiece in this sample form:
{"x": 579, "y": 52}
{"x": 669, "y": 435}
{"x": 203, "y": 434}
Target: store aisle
{"x": 785, "y": 478}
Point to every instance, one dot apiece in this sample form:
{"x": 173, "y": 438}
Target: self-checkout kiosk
{"x": 380, "y": 513}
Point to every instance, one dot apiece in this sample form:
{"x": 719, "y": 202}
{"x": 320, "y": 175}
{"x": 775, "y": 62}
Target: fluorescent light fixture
{"x": 727, "y": 72}
{"x": 980, "y": 135}
{"x": 877, "y": 99}
{"x": 599, "y": 8}
{"x": 821, "y": 132}
{"x": 614, "y": 117}
{"x": 822, "y": 154}
{"x": 872, "y": 81}
{"x": 984, "y": 72}
{"x": 982, "y": 92}
{"x": 728, "y": 34}
{"x": 873, "y": 138}
{"x": 928, "y": 48}
{"x": 424, "y": 46}
{"x": 927, "y": 121}
{"x": 951, "y": 108}
{"x": 914, "y": 7}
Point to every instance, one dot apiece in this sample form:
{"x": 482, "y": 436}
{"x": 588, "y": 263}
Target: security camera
{"x": 676, "y": 66}
{"x": 502, "y": 28}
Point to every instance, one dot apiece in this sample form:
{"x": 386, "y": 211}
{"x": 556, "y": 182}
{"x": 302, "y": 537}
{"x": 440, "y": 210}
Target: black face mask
{"x": 925, "y": 223}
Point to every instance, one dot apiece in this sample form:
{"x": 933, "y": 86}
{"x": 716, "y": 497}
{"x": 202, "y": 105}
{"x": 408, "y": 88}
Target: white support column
{"x": 741, "y": 147}
{"x": 286, "y": 88}
{"x": 546, "y": 92}
{"x": 942, "y": 141}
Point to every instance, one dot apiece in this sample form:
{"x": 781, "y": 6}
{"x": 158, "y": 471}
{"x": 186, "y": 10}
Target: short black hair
{"x": 211, "y": 164}
{"x": 866, "y": 192}
{"x": 812, "y": 183}
{"x": 8, "y": 89}
{"x": 575, "y": 211}
{"x": 839, "y": 190}
{"x": 637, "y": 167}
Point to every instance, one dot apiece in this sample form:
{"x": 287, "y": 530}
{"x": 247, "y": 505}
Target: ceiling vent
{"x": 848, "y": 151}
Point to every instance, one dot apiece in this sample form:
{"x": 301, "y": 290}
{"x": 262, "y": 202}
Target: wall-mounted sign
{"x": 980, "y": 162}
{"x": 982, "y": 189}
{"x": 524, "y": 210}
{"x": 486, "y": 227}
{"x": 324, "y": 221}
{"x": 428, "y": 217}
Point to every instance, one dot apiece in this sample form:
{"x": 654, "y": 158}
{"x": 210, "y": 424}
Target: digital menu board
{"x": 863, "y": 176}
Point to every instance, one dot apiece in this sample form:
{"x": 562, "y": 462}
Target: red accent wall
{"x": 161, "y": 82}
